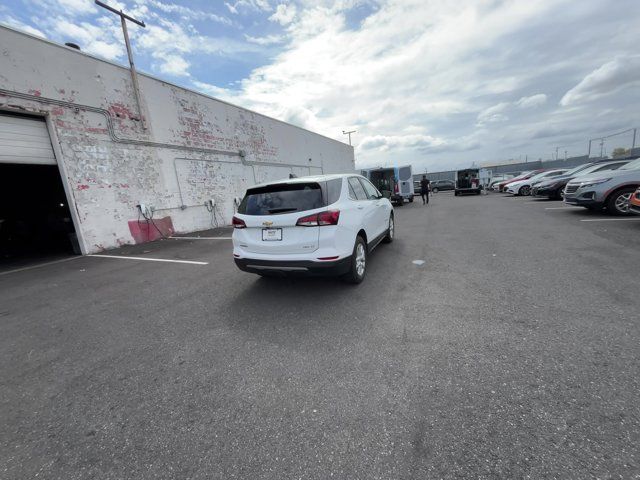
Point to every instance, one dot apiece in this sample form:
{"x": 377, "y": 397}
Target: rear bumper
{"x": 295, "y": 267}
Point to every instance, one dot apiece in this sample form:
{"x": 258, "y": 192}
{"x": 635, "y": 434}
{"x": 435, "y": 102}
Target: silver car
{"x": 609, "y": 189}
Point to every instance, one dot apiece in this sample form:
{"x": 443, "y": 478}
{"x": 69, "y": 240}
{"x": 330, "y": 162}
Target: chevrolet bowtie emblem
{"x": 267, "y": 224}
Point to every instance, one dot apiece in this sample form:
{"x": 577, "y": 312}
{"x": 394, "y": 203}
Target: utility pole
{"x": 134, "y": 76}
{"x": 349, "y": 133}
{"x": 601, "y": 147}
{"x": 589, "y": 150}
{"x": 557, "y": 152}
{"x": 633, "y": 144}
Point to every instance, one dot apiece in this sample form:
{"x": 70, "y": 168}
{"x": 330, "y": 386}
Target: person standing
{"x": 424, "y": 189}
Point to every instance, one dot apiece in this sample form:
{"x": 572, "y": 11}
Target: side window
{"x": 334, "y": 189}
{"x": 370, "y": 190}
{"x": 355, "y": 189}
{"x": 611, "y": 166}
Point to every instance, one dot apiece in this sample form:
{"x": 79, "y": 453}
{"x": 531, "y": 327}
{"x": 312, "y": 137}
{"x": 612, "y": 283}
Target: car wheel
{"x": 524, "y": 190}
{"x": 411, "y": 199}
{"x": 559, "y": 195}
{"x": 618, "y": 202}
{"x": 435, "y": 190}
{"x": 391, "y": 231}
{"x": 358, "y": 262}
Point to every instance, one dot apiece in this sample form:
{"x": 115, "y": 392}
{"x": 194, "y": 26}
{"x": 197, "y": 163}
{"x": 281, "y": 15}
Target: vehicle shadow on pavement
{"x": 277, "y": 308}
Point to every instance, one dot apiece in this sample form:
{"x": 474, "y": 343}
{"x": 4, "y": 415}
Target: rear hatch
{"x": 271, "y": 213}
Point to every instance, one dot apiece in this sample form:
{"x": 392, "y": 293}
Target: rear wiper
{"x": 281, "y": 210}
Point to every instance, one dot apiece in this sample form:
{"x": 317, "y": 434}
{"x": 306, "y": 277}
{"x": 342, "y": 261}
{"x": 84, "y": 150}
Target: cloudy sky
{"x": 435, "y": 83}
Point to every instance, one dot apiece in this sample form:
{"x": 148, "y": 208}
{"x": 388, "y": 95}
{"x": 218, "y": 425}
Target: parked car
{"x": 442, "y": 185}
{"x": 523, "y": 187}
{"x": 521, "y": 176}
{"x": 322, "y": 225}
{"x": 634, "y": 202}
{"x": 553, "y": 188}
{"x": 496, "y": 180}
{"x": 611, "y": 189}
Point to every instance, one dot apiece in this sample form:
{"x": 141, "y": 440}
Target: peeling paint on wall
{"x": 108, "y": 179}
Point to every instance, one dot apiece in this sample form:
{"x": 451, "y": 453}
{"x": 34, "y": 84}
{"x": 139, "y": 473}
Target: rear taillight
{"x": 395, "y": 188}
{"x": 238, "y": 223}
{"x": 320, "y": 219}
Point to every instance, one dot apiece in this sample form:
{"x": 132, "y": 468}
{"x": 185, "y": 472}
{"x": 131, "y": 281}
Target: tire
{"x": 455, "y": 193}
{"x": 435, "y": 190}
{"x": 358, "y": 270}
{"x": 618, "y": 202}
{"x": 558, "y": 195}
{"x": 411, "y": 199}
{"x": 524, "y": 190}
{"x": 391, "y": 231}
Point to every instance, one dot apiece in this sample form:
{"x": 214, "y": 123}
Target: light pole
{"x": 349, "y": 133}
{"x": 134, "y": 76}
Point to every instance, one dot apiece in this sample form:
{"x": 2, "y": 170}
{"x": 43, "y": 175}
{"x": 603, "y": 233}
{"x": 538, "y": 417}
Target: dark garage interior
{"x": 35, "y": 221}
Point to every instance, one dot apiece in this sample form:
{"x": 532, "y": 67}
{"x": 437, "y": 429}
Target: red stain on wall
{"x": 145, "y": 231}
{"x": 120, "y": 110}
{"x": 82, "y": 187}
{"x": 36, "y": 93}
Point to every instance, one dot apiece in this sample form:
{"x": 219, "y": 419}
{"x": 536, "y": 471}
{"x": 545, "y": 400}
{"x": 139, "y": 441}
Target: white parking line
{"x": 611, "y": 219}
{"x": 562, "y": 208}
{"x": 201, "y": 238}
{"x": 190, "y": 262}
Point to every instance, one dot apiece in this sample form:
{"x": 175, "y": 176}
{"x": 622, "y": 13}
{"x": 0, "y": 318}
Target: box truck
{"x": 395, "y": 183}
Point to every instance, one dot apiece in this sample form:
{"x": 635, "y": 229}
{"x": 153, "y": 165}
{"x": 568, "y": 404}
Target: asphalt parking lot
{"x": 513, "y": 351}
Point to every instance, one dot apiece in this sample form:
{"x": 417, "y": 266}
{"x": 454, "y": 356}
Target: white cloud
{"x": 284, "y": 14}
{"x": 611, "y": 77}
{"x": 423, "y": 81}
{"x": 387, "y": 142}
{"x": 498, "y": 113}
{"x": 494, "y": 113}
{"x": 215, "y": 91}
{"x": 78, "y": 6}
{"x": 187, "y": 12}
{"x": 91, "y": 38}
{"x": 231, "y": 8}
{"x": 266, "y": 40}
{"x": 175, "y": 65}
{"x": 15, "y": 23}
{"x": 171, "y": 45}
{"x": 532, "y": 101}
{"x": 248, "y": 5}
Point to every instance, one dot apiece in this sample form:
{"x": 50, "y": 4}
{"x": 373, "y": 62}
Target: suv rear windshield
{"x": 282, "y": 198}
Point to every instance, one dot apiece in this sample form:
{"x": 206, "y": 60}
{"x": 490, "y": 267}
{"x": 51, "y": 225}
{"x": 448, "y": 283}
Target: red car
{"x": 523, "y": 176}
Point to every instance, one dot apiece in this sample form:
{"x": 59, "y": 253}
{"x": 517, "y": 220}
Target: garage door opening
{"x": 35, "y": 220}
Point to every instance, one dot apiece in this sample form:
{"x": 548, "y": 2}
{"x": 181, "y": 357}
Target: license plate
{"x": 271, "y": 234}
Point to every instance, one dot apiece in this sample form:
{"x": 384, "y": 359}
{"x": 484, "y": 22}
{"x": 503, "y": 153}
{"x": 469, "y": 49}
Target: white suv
{"x": 324, "y": 225}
